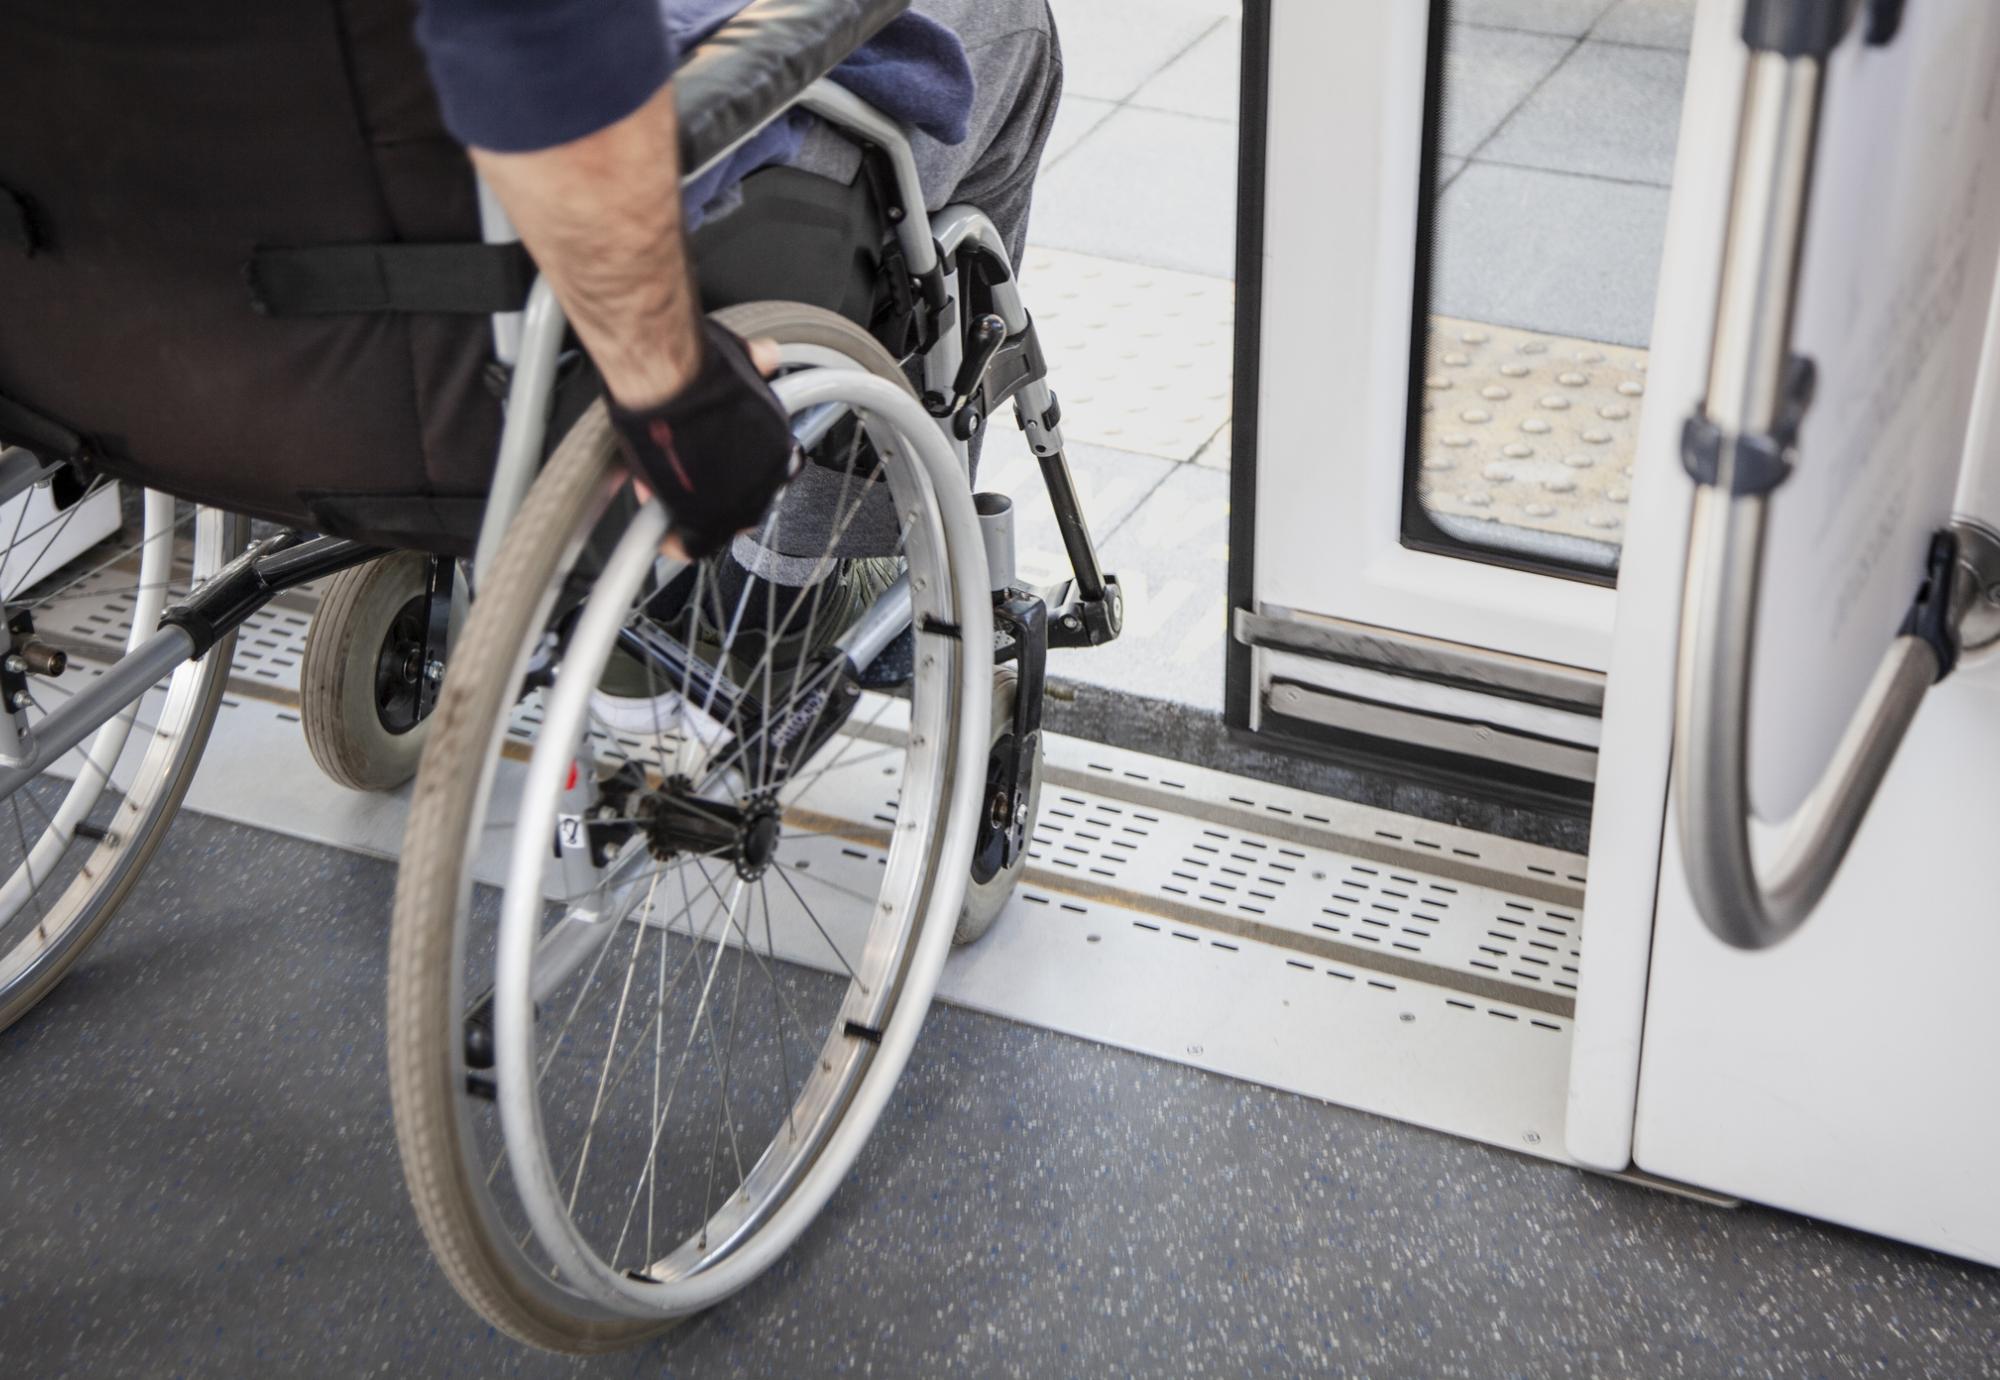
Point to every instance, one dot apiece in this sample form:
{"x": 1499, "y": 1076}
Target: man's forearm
{"x": 602, "y": 216}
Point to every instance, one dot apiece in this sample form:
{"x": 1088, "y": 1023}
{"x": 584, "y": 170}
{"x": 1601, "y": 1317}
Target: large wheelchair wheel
{"x": 75, "y": 835}
{"x": 628, "y": 1077}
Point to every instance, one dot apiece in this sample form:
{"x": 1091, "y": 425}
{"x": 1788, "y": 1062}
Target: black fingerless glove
{"x": 717, "y": 451}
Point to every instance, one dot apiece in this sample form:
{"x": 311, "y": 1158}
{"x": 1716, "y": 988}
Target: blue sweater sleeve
{"x": 517, "y": 75}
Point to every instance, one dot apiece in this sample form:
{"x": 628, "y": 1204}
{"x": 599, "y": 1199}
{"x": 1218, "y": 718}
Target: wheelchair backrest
{"x": 152, "y": 155}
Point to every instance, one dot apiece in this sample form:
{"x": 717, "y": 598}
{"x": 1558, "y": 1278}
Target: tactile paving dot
{"x": 1530, "y": 431}
{"x": 1139, "y": 357}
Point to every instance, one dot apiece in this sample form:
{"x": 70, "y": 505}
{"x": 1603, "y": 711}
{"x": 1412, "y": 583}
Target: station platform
{"x": 1261, "y": 1072}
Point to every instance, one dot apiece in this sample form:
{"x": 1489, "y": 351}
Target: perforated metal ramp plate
{"x": 1365, "y": 958}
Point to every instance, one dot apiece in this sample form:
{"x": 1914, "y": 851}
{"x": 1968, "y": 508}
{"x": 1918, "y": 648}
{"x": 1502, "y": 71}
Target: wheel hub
{"x": 678, "y": 823}
{"x": 399, "y": 669}
{"x": 757, "y": 847}
{"x": 998, "y": 842}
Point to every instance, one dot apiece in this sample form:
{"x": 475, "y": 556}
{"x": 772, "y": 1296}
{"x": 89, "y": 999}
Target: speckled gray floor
{"x": 198, "y": 1177}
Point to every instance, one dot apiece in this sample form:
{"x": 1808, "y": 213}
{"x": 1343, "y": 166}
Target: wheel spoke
{"x": 785, "y": 877}
{"x": 709, "y": 882}
{"x": 574, "y": 1007}
{"x": 659, "y": 1015}
{"x": 680, "y": 1065}
{"x": 610, "y": 1049}
{"x": 779, "y": 1009}
{"x": 142, "y": 543}
{"x": 772, "y": 718}
{"x": 852, "y": 736}
{"x": 723, "y": 1111}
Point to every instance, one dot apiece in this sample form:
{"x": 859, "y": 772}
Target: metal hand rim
{"x": 535, "y": 1176}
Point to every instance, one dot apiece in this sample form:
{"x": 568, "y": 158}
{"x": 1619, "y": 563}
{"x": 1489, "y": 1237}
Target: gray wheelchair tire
{"x": 337, "y": 693}
{"x": 985, "y": 900}
{"x": 427, "y": 943}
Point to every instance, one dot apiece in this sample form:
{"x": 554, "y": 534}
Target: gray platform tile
{"x": 1171, "y": 558}
{"x": 1075, "y": 118}
{"x": 1610, "y": 111}
{"x": 1652, "y": 23}
{"x": 1202, "y": 81}
{"x": 1146, "y": 187}
{"x": 1110, "y": 484}
{"x": 1140, "y": 357}
{"x": 1219, "y": 453}
{"x": 1488, "y": 73}
{"x": 1550, "y": 252}
{"x": 1111, "y": 48}
{"x": 1571, "y": 18}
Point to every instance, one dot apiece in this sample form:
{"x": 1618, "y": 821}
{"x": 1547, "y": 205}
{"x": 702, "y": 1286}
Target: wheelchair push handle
{"x": 760, "y": 63}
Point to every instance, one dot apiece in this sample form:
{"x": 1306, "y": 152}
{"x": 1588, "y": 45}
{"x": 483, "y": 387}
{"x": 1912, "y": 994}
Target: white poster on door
{"x": 1902, "y": 245}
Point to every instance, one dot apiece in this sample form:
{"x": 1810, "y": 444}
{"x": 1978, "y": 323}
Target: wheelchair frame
{"x": 1089, "y": 612}
{"x": 948, "y": 256}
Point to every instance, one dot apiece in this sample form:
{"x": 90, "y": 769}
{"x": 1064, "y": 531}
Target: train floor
{"x": 200, "y": 1178}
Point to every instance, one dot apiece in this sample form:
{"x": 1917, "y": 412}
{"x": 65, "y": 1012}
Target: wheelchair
{"x": 650, "y": 984}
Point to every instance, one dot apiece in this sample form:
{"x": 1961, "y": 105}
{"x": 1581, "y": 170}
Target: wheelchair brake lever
{"x": 984, "y": 338}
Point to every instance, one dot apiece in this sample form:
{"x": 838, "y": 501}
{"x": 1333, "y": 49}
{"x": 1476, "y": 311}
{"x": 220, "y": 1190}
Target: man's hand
{"x": 765, "y": 355}
{"x": 718, "y": 450}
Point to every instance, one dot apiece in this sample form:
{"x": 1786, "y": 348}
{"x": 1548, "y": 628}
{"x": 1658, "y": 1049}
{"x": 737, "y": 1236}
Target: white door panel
{"x": 1850, "y": 1072}
{"x": 1628, "y": 814}
{"x": 1846, "y": 1072}
{"x": 1346, "y": 92}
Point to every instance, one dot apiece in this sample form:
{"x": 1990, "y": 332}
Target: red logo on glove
{"x": 663, "y": 437}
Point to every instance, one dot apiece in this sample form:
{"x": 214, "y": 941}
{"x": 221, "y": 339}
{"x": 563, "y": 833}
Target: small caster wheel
{"x": 986, "y": 895}
{"x": 361, "y": 677}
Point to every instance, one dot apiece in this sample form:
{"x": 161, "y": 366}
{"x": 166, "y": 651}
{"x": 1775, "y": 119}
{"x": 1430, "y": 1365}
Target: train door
{"x": 1451, "y": 253}
{"x": 1521, "y": 286}
{"x": 1811, "y": 1003}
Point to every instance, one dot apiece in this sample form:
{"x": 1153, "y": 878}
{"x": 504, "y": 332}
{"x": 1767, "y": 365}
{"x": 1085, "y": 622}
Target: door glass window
{"x": 1549, "y": 144}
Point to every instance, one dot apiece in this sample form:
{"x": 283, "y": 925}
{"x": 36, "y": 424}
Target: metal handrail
{"x": 1756, "y": 392}
{"x": 1742, "y": 906}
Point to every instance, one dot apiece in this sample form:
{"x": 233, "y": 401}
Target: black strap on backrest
{"x": 345, "y": 279}
{"x": 17, "y": 226}
{"x": 21, "y": 425}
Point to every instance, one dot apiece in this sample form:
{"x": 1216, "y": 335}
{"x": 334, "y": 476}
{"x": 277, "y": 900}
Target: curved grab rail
{"x": 1743, "y": 907}
{"x": 1739, "y": 448}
